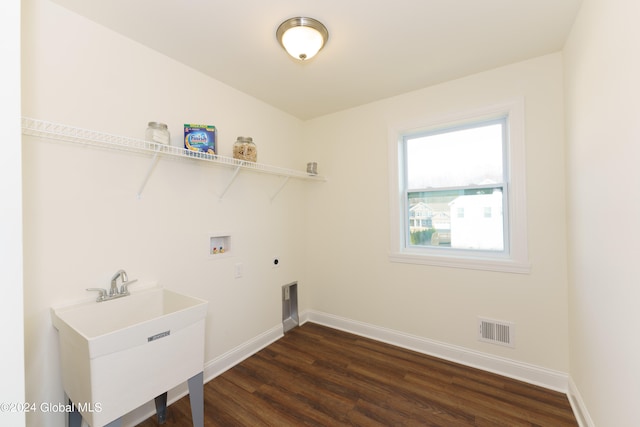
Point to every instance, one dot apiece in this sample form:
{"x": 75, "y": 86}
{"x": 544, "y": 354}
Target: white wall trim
{"x": 578, "y": 406}
{"x": 532, "y": 374}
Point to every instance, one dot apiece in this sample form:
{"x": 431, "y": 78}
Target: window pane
{"x": 457, "y": 219}
{"x": 462, "y": 157}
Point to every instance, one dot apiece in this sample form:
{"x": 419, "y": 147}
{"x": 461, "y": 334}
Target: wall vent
{"x": 496, "y": 332}
{"x": 290, "y": 317}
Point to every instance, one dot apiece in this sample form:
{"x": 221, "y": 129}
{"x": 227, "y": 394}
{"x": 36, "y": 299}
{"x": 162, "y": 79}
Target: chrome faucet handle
{"x": 103, "y": 293}
{"x": 124, "y": 289}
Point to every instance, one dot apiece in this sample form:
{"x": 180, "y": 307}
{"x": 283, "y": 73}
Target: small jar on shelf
{"x": 158, "y": 133}
{"x": 245, "y": 149}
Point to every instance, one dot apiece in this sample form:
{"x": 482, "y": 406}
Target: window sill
{"x": 505, "y": 265}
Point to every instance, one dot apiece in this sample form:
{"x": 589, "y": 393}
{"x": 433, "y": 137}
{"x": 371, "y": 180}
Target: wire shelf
{"x": 61, "y": 132}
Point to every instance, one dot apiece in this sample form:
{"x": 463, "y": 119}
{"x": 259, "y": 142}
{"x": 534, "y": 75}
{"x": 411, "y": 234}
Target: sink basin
{"x": 117, "y": 355}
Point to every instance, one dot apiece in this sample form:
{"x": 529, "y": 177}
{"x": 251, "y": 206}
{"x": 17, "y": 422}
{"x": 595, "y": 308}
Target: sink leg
{"x": 196, "y": 398}
{"x": 75, "y": 417}
{"x": 161, "y": 408}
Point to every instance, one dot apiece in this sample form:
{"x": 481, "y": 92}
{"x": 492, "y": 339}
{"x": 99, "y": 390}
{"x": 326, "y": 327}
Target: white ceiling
{"x": 376, "y": 48}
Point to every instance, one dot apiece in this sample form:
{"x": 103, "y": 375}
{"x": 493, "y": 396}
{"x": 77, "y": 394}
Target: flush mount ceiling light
{"x": 302, "y": 37}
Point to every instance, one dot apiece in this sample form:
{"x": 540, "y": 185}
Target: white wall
{"x": 12, "y": 388}
{"x": 82, "y": 219}
{"x": 347, "y": 264}
{"x": 603, "y": 149}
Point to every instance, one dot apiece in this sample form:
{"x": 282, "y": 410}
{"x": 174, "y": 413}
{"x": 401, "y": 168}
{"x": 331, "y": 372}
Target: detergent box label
{"x": 200, "y": 138}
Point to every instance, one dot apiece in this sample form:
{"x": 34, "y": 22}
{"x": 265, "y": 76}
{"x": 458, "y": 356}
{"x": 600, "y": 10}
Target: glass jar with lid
{"x": 245, "y": 149}
{"x": 157, "y": 132}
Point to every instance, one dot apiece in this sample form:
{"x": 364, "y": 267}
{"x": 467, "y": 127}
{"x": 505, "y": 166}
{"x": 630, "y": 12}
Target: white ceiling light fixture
{"x": 302, "y": 37}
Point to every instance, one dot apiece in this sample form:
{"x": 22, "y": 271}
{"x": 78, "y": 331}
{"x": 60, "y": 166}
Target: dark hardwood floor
{"x": 318, "y": 376}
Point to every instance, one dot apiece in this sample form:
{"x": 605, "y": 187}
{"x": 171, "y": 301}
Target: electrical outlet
{"x": 237, "y": 272}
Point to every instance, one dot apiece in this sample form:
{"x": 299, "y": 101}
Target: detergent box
{"x": 200, "y": 138}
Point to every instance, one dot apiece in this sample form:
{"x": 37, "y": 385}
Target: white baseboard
{"x": 532, "y": 374}
{"x": 578, "y": 406}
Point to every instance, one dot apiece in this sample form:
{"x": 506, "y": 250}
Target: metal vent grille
{"x": 496, "y": 332}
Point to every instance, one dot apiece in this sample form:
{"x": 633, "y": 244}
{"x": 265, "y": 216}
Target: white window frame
{"x": 515, "y": 257}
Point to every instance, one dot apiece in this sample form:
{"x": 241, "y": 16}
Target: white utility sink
{"x": 118, "y": 355}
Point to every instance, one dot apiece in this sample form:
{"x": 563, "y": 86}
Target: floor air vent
{"x": 496, "y": 332}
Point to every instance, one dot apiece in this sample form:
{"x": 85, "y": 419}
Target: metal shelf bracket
{"x": 233, "y": 178}
{"x": 154, "y": 161}
{"x": 279, "y": 189}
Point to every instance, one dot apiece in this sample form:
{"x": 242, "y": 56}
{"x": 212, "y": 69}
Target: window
{"x": 458, "y": 169}
{"x": 466, "y": 176}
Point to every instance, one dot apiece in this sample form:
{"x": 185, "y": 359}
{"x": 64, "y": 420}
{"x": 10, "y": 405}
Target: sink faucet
{"x": 114, "y": 286}
{"x": 114, "y": 292}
